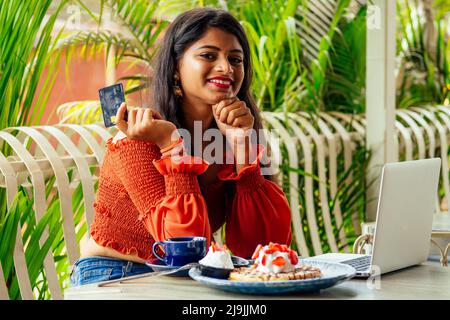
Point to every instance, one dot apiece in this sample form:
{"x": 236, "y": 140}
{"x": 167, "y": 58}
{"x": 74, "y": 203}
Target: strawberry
{"x": 276, "y": 247}
{"x": 257, "y": 250}
{"x": 279, "y": 261}
{"x": 284, "y": 248}
{"x": 293, "y": 257}
{"x": 269, "y": 251}
{"x": 263, "y": 261}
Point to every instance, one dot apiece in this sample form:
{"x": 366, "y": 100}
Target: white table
{"x": 426, "y": 281}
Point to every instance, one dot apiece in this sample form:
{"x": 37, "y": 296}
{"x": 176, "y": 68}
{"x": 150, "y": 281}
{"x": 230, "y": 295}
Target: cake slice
{"x": 275, "y": 262}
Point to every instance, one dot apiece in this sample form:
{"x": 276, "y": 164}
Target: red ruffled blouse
{"x": 142, "y": 198}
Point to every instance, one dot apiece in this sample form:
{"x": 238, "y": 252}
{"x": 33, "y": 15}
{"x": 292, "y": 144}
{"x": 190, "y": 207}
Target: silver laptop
{"x": 406, "y": 204}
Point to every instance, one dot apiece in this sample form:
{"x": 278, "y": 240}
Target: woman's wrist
{"x": 241, "y": 154}
{"x": 169, "y": 139}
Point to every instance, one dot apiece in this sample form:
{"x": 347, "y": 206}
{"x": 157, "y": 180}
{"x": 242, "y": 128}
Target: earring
{"x": 176, "y": 86}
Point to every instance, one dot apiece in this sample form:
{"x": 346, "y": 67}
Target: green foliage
{"x": 27, "y": 48}
{"x": 345, "y": 78}
{"x": 291, "y": 46}
{"x": 424, "y": 54}
{"x": 80, "y": 112}
{"x": 275, "y": 49}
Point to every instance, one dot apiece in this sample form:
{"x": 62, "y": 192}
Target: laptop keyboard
{"x": 360, "y": 263}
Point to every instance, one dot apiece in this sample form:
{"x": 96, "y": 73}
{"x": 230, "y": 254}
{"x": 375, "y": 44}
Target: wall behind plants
{"x": 84, "y": 77}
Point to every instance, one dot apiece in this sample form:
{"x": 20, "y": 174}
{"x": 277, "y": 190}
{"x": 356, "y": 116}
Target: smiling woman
{"x": 203, "y": 74}
{"x": 212, "y": 68}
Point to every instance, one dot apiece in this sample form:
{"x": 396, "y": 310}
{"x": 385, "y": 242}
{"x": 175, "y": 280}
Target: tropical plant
{"x": 80, "y": 112}
{"x": 424, "y": 53}
{"x": 23, "y": 57}
{"x": 345, "y": 79}
{"x": 27, "y": 48}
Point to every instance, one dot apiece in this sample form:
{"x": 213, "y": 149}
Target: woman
{"x": 203, "y": 74}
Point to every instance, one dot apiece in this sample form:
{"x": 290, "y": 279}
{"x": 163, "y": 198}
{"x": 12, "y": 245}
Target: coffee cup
{"x": 179, "y": 251}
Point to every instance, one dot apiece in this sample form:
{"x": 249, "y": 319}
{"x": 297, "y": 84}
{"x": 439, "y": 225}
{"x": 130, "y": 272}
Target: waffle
{"x": 250, "y": 274}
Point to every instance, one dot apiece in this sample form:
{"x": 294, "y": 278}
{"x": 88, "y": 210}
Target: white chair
{"x": 39, "y": 153}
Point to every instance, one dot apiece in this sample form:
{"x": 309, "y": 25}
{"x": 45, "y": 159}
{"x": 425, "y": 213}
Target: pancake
{"x": 250, "y": 274}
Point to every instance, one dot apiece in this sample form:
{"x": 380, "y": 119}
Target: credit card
{"x": 110, "y": 100}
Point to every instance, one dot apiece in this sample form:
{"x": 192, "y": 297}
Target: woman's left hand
{"x": 234, "y": 119}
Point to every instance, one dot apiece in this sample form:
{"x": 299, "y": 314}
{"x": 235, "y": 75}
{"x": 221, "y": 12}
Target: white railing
{"x": 320, "y": 147}
{"x": 312, "y": 145}
{"x": 51, "y": 151}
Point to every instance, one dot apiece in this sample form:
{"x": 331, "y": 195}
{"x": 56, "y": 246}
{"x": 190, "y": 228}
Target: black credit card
{"x": 110, "y": 100}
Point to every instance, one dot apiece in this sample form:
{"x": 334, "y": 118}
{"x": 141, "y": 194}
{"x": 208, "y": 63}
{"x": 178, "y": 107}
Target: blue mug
{"x": 181, "y": 250}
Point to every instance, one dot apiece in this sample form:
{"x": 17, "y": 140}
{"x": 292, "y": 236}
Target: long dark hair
{"x": 187, "y": 28}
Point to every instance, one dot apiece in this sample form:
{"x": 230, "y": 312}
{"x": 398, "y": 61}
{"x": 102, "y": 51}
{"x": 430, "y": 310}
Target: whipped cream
{"x": 217, "y": 259}
{"x": 275, "y": 261}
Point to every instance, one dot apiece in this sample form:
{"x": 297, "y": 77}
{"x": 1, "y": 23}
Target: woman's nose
{"x": 225, "y": 66}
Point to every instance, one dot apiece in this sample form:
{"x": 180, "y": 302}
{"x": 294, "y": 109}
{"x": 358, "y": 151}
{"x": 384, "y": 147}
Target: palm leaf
{"x": 23, "y": 57}
{"x": 345, "y": 79}
{"x": 423, "y": 76}
{"x": 80, "y": 112}
{"x": 317, "y": 24}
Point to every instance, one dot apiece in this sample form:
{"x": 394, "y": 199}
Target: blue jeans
{"x": 95, "y": 269}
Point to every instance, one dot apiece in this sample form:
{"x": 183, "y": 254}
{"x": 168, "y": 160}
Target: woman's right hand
{"x": 146, "y": 124}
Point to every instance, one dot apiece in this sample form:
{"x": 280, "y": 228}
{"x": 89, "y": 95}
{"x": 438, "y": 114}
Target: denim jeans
{"x": 95, "y": 269}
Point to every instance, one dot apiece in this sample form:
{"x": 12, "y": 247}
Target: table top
{"x": 426, "y": 281}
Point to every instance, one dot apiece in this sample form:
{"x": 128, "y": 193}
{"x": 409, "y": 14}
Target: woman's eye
{"x": 207, "y": 56}
{"x": 236, "y": 60}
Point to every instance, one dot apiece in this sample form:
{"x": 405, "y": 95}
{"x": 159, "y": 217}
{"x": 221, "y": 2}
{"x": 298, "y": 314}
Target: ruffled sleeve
{"x": 183, "y": 211}
{"x": 260, "y": 211}
{"x": 166, "y": 193}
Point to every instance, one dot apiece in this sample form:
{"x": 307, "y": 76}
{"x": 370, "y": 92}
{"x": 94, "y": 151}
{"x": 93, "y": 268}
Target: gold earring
{"x": 176, "y": 86}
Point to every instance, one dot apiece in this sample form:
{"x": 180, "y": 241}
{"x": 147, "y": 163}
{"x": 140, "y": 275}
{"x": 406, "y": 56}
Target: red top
{"x": 142, "y": 198}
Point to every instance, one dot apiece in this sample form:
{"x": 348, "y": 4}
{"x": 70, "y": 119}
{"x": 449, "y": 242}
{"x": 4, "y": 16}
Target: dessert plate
{"x": 333, "y": 274}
